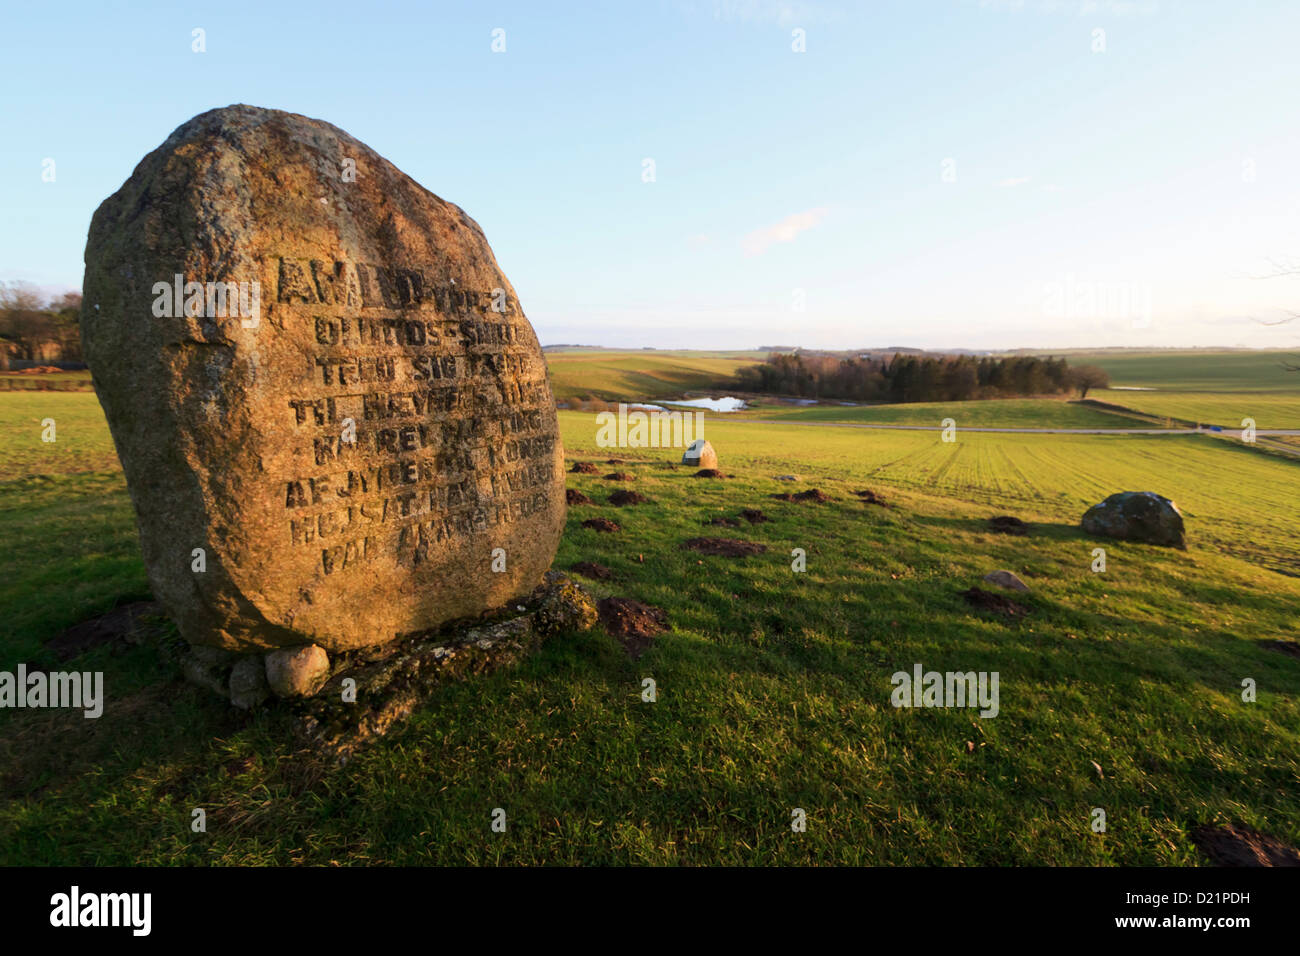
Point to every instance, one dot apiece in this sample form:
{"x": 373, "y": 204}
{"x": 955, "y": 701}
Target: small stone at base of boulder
{"x": 208, "y": 667}
{"x": 297, "y": 671}
{"x": 248, "y": 686}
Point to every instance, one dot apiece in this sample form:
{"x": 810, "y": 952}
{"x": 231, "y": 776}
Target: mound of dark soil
{"x": 584, "y": 468}
{"x": 988, "y": 601}
{"x": 754, "y": 516}
{"x": 869, "y": 497}
{"x": 622, "y": 498}
{"x": 122, "y": 624}
{"x": 589, "y": 569}
{"x": 1007, "y": 524}
{"x": 813, "y": 495}
{"x": 724, "y": 547}
{"x": 614, "y": 461}
{"x": 1239, "y": 845}
{"x": 620, "y": 476}
{"x": 709, "y": 473}
{"x": 634, "y": 624}
{"x": 784, "y": 496}
{"x": 573, "y": 496}
{"x": 1286, "y": 647}
{"x": 600, "y": 524}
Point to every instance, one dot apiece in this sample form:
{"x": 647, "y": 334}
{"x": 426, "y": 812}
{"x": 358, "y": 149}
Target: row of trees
{"x": 917, "y": 378}
{"x": 37, "y": 328}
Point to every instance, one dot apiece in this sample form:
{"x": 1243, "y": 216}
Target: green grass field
{"x": 1004, "y": 413}
{"x": 641, "y": 375}
{"x": 75, "y": 381}
{"x": 1219, "y": 388}
{"x": 1228, "y": 409}
{"x": 774, "y": 686}
{"x": 1198, "y": 370}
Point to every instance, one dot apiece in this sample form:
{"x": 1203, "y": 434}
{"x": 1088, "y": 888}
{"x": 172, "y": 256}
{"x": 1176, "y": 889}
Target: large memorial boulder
{"x": 334, "y": 419}
{"x": 1137, "y": 516}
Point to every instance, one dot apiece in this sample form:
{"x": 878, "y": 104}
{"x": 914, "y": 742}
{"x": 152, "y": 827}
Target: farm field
{"x": 77, "y": 380}
{"x": 1001, "y": 413}
{"x": 1119, "y": 690}
{"x": 641, "y": 375}
{"x": 1043, "y": 477}
{"x": 1199, "y": 370}
{"x": 1268, "y": 409}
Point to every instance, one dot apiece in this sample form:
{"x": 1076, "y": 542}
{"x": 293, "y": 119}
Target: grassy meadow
{"x": 1000, "y": 413}
{"x": 1219, "y": 388}
{"x": 641, "y": 375}
{"x": 1119, "y": 690}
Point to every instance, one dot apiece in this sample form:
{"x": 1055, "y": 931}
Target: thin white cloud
{"x": 758, "y": 241}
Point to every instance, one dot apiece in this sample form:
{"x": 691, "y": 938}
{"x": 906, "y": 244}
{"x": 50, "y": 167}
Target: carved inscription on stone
{"x": 416, "y": 426}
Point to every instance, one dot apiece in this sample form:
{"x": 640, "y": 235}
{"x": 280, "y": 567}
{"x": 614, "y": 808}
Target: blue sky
{"x": 928, "y": 173}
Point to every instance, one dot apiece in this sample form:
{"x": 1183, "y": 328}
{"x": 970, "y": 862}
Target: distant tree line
{"x": 917, "y": 378}
{"x": 34, "y": 328}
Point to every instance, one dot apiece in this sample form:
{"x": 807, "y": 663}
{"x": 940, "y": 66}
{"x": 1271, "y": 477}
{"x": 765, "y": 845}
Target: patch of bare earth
{"x": 988, "y": 601}
{"x": 709, "y": 473}
{"x": 1286, "y": 647}
{"x": 573, "y": 496}
{"x": 634, "y": 624}
{"x": 622, "y": 498}
{"x": 590, "y": 569}
{"x": 724, "y": 547}
{"x": 815, "y": 495}
{"x": 123, "y": 624}
{"x": 600, "y": 524}
{"x": 1007, "y": 524}
{"x": 723, "y": 522}
{"x": 1236, "y": 844}
{"x": 869, "y": 497}
{"x": 754, "y": 516}
{"x": 620, "y": 476}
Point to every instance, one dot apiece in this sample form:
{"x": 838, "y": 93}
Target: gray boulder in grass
{"x": 700, "y": 454}
{"x": 1137, "y": 516}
